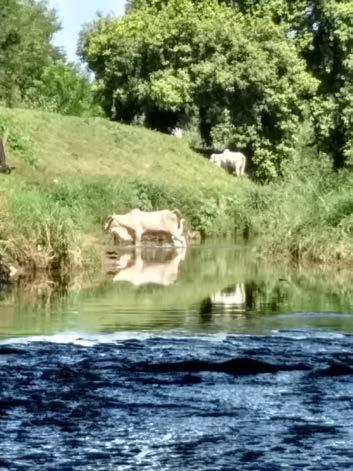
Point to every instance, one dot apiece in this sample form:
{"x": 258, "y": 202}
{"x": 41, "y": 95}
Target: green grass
{"x": 50, "y": 146}
{"x": 71, "y": 173}
{"x": 308, "y": 216}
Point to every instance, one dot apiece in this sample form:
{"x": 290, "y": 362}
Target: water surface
{"x": 208, "y": 289}
{"x": 209, "y": 360}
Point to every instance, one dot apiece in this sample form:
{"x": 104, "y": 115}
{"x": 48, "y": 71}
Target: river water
{"x": 205, "y": 360}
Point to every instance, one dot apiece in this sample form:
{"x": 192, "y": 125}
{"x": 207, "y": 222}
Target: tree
{"x": 329, "y": 56}
{"x": 26, "y": 31}
{"x": 323, "y": 33}
{"x": 238, "y": 76}
{"x": 133, "y": 4}
{"x": 63, "y": 88}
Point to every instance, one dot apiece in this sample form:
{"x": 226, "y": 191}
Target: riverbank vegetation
{"x": 272, "y": 79}
{"x": 72, "y": 172}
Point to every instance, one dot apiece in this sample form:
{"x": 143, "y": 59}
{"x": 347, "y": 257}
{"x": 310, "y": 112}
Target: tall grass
{"x": 308, "y": 215}
{"x": 303, "y": 217}
{"x": 37, "y": 232}
{"x": 44, "y": 227}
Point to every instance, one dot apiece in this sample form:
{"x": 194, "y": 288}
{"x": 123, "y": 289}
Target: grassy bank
{"x": 72, "y": 172}
{"x": 308, "y": 216}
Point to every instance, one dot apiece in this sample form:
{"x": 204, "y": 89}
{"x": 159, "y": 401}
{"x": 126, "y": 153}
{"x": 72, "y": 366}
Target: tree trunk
{"x": 2, "y": 154}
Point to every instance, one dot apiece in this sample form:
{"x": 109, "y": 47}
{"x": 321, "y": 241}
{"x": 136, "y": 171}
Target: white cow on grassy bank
{"x": 177, "y": 132}
{"x": 235, "y": 161}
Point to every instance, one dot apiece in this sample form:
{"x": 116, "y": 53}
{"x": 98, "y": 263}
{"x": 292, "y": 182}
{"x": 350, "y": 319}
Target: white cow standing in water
{"x": 139, "y": 222}
{"x": 235, "y": 161}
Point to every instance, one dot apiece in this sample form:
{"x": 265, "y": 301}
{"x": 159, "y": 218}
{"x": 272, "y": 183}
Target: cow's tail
{"x": 178, "y": 215}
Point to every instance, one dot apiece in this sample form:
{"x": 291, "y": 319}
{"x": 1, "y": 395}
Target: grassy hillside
{"x": 47, "y": 145}
{"x": 72, "y": 172}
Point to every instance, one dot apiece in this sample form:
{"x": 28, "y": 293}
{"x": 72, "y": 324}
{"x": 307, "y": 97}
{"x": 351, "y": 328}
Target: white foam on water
{"x": 78, "y": 338}
{"x": 90, "y": 340}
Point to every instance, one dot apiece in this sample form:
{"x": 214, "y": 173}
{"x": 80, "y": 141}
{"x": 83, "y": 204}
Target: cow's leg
{"x": 242, "y": 168}
{"x": 138, "y": 237}
{"x": 179, "y": 240}
{"x": 183, "y": 240}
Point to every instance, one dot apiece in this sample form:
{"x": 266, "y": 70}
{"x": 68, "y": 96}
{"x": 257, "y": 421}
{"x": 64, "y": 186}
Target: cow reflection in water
{"x": 140, "y": 270}
{"x": 233, "y": 298}
{"x": 229, "y": 303}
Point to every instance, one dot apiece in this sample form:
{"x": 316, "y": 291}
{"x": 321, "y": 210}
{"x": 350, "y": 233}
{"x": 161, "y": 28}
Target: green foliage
{"x": 45, "y": 235}
{"x": 323, "y": 34}
{"x": 62, "y": 88}
{"x": 206, "y": 213}
{"x": 133, "y": 4}
{"x": 33, "y": 72}
{"x": 26, "y": 31}
{"x": 239, "y": 77}
{"x": 306, "y": 216}
{"x": 331, "y": 60}
{"x": 18, "y": 140}
{"x": 88, "y": 168}
{"x": 34, "y": 232}
{"x": 236, "y": 73}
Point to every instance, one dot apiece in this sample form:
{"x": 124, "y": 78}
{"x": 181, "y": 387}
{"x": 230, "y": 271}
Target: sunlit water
{"x": 205, "y": 360}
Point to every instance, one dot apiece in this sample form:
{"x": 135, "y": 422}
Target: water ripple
{"x": 211, "y": 402}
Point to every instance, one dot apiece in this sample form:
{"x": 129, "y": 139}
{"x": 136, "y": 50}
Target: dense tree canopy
{"x": 238, "y": 76}
{"x": 34, "y": 73}
{"x": 329, "y": 56}
{"x": 323, "y": 33}
{"x": 26, "y": 31}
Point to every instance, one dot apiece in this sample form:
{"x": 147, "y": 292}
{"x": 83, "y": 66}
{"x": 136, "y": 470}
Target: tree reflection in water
{"x": 219, "y": 288}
